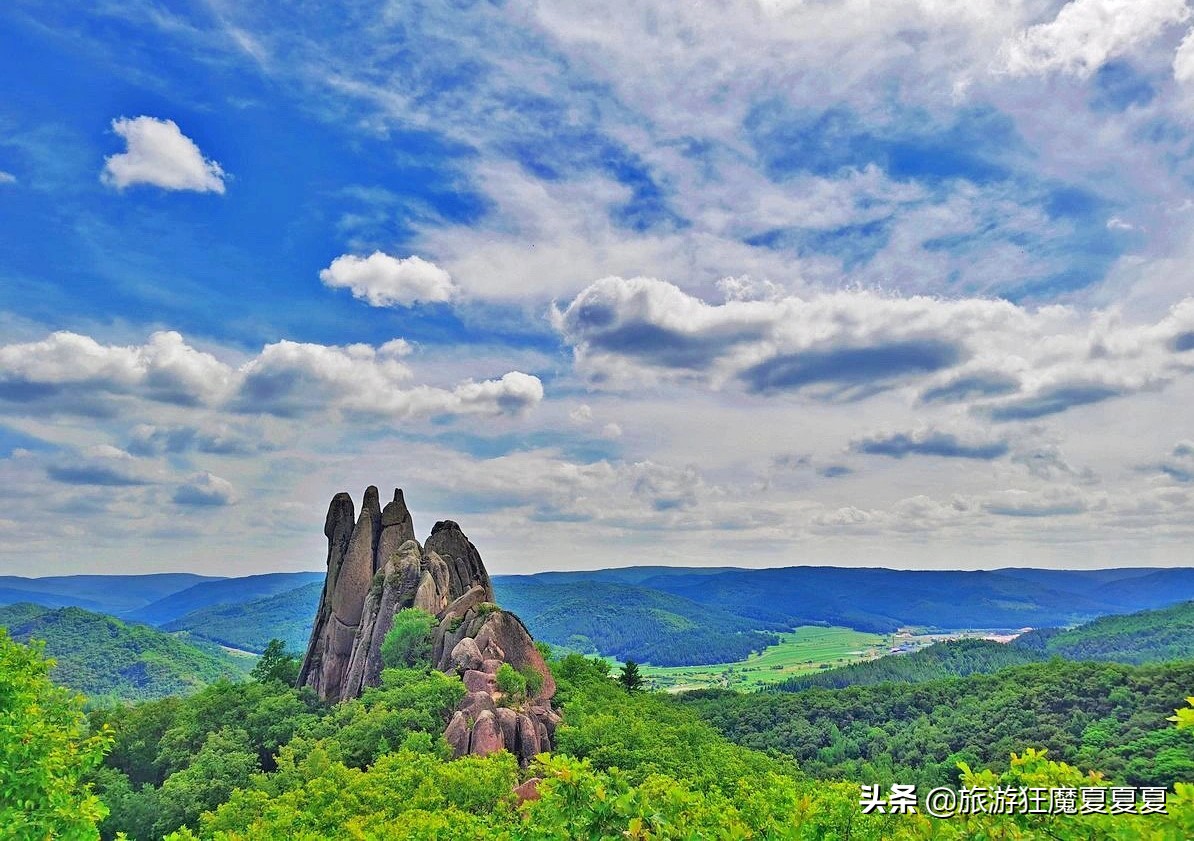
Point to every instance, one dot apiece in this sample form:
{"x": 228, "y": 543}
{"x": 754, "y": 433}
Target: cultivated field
{"x": 806, "y": 649}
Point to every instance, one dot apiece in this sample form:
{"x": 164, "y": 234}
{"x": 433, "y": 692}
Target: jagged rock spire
{"x": 376, "y": 568}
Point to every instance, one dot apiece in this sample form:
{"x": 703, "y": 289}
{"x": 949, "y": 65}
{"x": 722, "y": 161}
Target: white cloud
{"x": 100, "y": 465}
{"x": 1183, "y": 59}
{"x": 160, "y": 154}
{"x": 1003, "y": 361}
{"x": 72, "y": 374}
{"x": 291, "y": 379}
{"x": 385, "y": 281}
{"x": 206, "y": 489}
{"x": 1086, "y": 33}
{"x": 75, "y": 374}
{"x": 7, "y": 178}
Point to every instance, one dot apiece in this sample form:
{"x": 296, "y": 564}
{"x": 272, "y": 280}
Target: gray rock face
{"x": 377, "y": 568}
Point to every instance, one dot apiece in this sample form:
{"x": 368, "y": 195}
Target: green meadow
{"x": 806, "y": 649}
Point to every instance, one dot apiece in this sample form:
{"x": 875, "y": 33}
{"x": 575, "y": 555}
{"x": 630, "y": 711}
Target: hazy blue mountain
{"x": 225, "y": 591}
{"x": 652, "y": 613}
{"x": 114, "y": 594}
{"x": 250, "y": 625}
{"x": 876, "y": 599}
{"x": 627, "y": 575}
{"x": 107, "y": 659}
{"x": 1157, "y": 589}
{"x": 11, "y": 595}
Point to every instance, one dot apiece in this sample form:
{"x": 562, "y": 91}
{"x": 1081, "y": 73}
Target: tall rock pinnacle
{"x": 376, "y": 568}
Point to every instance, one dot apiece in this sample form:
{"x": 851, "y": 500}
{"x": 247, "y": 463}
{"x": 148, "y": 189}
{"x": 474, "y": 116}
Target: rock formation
{"x": 376, "y": 568}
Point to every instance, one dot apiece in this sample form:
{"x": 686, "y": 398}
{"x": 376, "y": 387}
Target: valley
{"x": 805, "y": 649}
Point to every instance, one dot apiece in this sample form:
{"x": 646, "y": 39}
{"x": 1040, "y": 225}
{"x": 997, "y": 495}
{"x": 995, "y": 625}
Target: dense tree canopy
{"x": 262, "y": 760}
{"x": 45, "y": 751}
{"x": 1103, "y": 716}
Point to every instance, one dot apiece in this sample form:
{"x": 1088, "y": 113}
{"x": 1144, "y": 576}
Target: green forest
{"x": 108, "y": 659}
{"x": 956, "y": 658}
{"x": 250, "y": 625}
{"x": 1166, "y": 634}
{"x": 1098, "y": 716}
{"x": 624, "y": 621}
{"x": 259, "y": 759}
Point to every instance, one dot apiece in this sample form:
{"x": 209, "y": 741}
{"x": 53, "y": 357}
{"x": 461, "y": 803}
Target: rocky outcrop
{"x": 377, "y": 568}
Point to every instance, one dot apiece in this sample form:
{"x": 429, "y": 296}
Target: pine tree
{"x": 630, "y": 677}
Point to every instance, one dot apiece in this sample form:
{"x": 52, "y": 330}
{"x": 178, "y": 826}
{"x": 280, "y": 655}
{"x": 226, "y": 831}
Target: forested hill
{"x": 957, "y": 658}
{"x": 1147, "y": 636}
{"x": 106, "y": 658}
{"x": 251, "y": 625}
{"x": 1142, "y": 637}
{"x": 1106, "y": 716}
{"x": 626, "y": 621}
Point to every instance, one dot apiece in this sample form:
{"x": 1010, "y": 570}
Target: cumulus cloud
{"x": 931, "y": 442}
{"x": 385, "y": 281}
{"x": 1086, "y": 33}
{"x": 1006, "y": 362}
{"x": 68, "y": 373}
{"x": 1048, "y": 502}
{"x": 160, "y": 154}
{"x": 290, "y": 379}
{"x": 611, "y": 430}
{"x": 1183, "y": 59}
{"x": 74, "y": 374}
{"x": 219, "y": 439}
{"x": 101, "y": 465}
{"x": 7, "y": 178}
{"x": 1179, "y": 465}
{"x": 205, "y": 489}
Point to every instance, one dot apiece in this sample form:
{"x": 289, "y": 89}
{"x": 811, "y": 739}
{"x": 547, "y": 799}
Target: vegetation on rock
{"x": 408, "y": 642}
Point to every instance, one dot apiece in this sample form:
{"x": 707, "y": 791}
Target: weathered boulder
{"x": 475, "y": 703}
{"x": 528, "y": 790}
{"x": 504, "y": 633}
{"x": 527, "y": 738}
{"x": 466, "y": 656}
{"x": 487, "y": 736}
{"x": 475, "y": 681}
{"x": 508, "y": 723}
{"x": 462, "y": 558}
{"x": 457, "y": 733}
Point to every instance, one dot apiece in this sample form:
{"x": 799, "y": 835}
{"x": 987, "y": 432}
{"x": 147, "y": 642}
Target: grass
{"x": 806, "y": 649}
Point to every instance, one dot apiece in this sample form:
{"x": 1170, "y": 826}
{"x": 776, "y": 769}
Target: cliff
{"x": 376, "y": 568}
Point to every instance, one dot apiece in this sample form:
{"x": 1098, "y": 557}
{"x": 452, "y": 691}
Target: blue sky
{"x": 766, "y": 283}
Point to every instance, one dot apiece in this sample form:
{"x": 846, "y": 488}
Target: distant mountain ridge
{"x": 251, "y": 625}
{"x": 222, "y": 591}
{"x": 655, "y": 614}
{"x": 113, "y": 594}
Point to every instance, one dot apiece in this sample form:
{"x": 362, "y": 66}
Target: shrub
{"x": 510, "y": 681}
{"x": 534, "y": 680}
{"x": 409, "y": 641}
